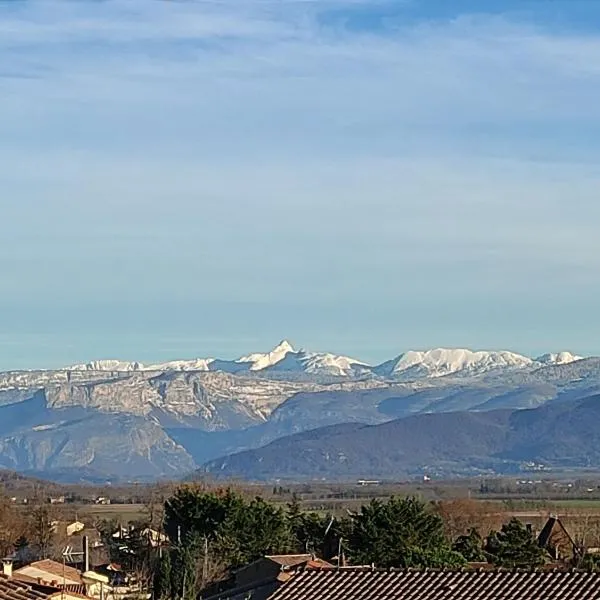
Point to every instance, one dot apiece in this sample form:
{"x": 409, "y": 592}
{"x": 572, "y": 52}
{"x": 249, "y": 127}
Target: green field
{"x": 122, "y": 512}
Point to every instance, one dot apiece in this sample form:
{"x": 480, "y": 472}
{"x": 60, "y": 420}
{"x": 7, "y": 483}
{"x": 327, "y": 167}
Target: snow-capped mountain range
{"x": 411, "y": 365}
{"x": 129, "y": 419}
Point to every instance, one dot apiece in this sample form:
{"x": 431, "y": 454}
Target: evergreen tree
{"x": 400, "y": 533}
{"x": 252, "y": 531}
{"x": 470, "y": 546}
{"x": 193, "y": 511}
{"x": 514, "y": 546}
{"x": 162, "y": 578}
{"x": 307, "y": 529}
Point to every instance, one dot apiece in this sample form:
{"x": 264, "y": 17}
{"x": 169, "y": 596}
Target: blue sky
{"x": 193, "y": 178}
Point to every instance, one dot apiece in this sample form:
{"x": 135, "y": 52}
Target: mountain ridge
{"x": 165, "y": 422}
{"x": 443, "y": 444}
{"x": 437, "y": 362}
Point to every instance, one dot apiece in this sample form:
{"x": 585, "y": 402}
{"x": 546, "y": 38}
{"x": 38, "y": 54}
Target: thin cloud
{"x": 190, "y": 153}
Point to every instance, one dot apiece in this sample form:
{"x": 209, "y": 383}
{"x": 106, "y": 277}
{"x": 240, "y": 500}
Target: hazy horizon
{"x": 190, "y": 179}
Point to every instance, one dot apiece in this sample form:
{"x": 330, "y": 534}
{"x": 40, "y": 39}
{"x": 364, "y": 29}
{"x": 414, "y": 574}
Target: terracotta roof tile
{"x": 289, "y": 560}
{"x": 11, "y": 589}
{"x": 366, "y": 584}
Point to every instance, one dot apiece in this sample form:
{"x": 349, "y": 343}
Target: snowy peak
{"x": 321, "y": 363}
{"x": 559, "y": 358}
{"x": 197, "y": 364}
{"x": 107, "y": 365}
{"x": 263, "y": 361}
{"x": 409, "y": 366}
{"x": 284, "y": 358}
{"x": 440, "y": 362}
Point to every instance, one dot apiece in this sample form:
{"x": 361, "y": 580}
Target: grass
{"x": 593, "y": 503}
{"x": 124, "y": 512}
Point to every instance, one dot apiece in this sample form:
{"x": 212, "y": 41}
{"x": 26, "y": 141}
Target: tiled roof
{"x": 45, "y": 584}
{"x": 366, "y": 584}
{"x": 289, "y": 560}
{"x": 55, "y": 571}
{"x": 11, "y": 589}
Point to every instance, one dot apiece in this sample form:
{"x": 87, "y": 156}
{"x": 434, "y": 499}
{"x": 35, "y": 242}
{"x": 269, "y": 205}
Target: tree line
{"x": 214, "y": 532}
{"x": 29, "y": 532}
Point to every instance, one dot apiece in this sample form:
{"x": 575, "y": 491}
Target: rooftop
{"x": 11, "y": 589}
{"x": 366, "y": 584}
{"x": 50, "y": 571}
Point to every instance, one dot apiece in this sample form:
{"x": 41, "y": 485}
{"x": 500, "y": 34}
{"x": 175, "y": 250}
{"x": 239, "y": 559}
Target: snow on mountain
{"x": 107, "y": 365}
{"x": 559, "y": 358}
{"x": 197, "y": 364}
{"x": 408, "y": 366}
{"x": 261, "y": 361}
{"x": 252, "y": 362}
{"x": 443, "y": 361}
{"x": 320, "y": 363}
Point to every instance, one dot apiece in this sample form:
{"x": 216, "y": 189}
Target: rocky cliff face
{"x": 117, "y": 423}
{"x": 131, "y": 421}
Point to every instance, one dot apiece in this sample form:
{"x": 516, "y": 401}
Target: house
{"x": 259, "y": 579}
{"x": 155, "y": 538}
{"x": 54, "y": 574}
{"x": 115, "y": 573}
{"x": 360, "y": 583}
{"x": 557, "y": 541}
{"x": 275, "y": 567}
{"x": 75, "y": 527}
{"x": 92, "y": 535}
{"x": 51, "y": 573}
{"x": 122, "y": 533}
{"x": 13, "y": 589}
{"x": 57, "y": 500}
{"x": 96, "y": 584}
{"x": 102, "y": 500}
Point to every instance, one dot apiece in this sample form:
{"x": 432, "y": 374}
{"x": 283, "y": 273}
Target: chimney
{"x": 7, "y": 567}
{"x": 86, "y": 553}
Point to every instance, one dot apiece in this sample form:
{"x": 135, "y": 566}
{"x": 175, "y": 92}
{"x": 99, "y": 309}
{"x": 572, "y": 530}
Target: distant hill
{"x": 557, "y": 435}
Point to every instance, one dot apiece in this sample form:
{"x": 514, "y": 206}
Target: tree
{"x": 462, "y": 515}
{"x": 11, "y": 526}
{"x": 215, "y": 531}
{"x": 252, "y": 531}
{"x": 162, "y": 578}
{"x": 590, "y": 562}
{"x": 514, "y": 546}
{"x": 42, "y": 530}
{"x": 400, "y": 533}
{"x": 308, "y": 529}
{"x": 470, "y": 546}
{"x": 193, "y": 510}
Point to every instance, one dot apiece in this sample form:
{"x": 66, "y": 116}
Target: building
{"x": 261, "y": 578}
{"x": 557, "y": 541}
{"x": 53, "y": 574}
{"x": 155, "y": 538}
{"x": 364, "y": 583}
{"x": 13, "y": 589}
{"x": 74, "y": 527}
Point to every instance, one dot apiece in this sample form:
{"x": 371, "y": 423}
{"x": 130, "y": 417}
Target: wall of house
{"x": 259, "y": 571}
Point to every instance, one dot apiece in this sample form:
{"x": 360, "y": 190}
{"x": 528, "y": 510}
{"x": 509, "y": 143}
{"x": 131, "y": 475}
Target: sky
{"x": 200, "y": 178}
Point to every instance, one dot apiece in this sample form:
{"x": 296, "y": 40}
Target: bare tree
{"x": 42, "y": 529}
{"x": 11, "y": 526}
